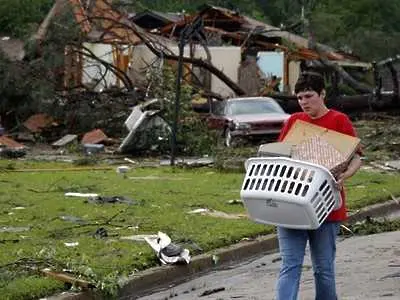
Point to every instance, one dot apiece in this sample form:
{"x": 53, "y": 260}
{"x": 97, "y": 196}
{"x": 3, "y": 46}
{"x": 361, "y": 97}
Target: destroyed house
{"x": 247, "y": 51}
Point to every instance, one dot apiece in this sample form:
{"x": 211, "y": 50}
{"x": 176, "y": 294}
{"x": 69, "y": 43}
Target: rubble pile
{"x": 380, "y": 135}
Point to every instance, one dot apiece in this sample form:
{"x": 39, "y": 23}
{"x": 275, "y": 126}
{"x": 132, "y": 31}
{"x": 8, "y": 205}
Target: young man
{"x": 310, "y": 92}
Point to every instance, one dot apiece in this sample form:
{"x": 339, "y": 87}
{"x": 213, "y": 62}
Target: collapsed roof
{"x": 242, "y": 31}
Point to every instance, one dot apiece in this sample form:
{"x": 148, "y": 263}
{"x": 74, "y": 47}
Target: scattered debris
{"x": 65, "y": 140}
{"x": 276, "y": 259}
{"x": 100, "y": 233}
{"x": 168, "y": 252}
{"x": 67, "y": 278}
{"x": 130, "y": 160}
{"x": 14, "y": 229}
{"x": 95, "y": 136}
{"x": 111, "y": 199}
{"x": 215, "y": 259}
{"x": 82, "y": 195}
{"x": 217, "y": 214}
{"x": 123, "y": 169}
{"x": 25, "y": 136}
{"x": 392, "y": 196}
{"x": 13, "y": 241}
{"x": 190, "y": 162}
{"x": 394, "y": 164}
{"x": 139, "y": 237}
{"x": 140, "y": 124}
{"x": 10, "y": 148}
{"x": 394, "y": 275}
{"x": 73, "y": 244}
{"x": 38, "y": 122}
{"x": 347, "y": 229}
{"x": 235, "y": 201}
{"x": 373, "y": 225}
{"x": 151, "y": 177}
{"x": 12, "y": 48}
{"x": 381, "y": 166}
{"x": 6, "y": 142}
{"x": 12, "y": 153}
{"x": 73, "y": 219}
{"x": 213, "y": 291}
{"x": 93, "y": 148}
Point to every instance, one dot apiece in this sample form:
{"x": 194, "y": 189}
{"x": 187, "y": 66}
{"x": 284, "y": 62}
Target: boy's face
{"x": 311, "y": 102}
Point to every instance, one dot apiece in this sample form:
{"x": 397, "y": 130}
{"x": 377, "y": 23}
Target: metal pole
{"x": 177, "y": 98}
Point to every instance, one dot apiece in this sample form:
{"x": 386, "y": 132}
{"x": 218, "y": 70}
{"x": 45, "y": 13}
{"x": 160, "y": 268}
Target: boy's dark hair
{"x": 310, "y": 81}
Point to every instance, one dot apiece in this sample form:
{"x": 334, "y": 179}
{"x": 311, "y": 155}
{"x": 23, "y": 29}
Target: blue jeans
{"x": 292, "y": 245}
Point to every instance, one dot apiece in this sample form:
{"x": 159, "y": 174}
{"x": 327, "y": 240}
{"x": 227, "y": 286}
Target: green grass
{"x": 160, "y": 205}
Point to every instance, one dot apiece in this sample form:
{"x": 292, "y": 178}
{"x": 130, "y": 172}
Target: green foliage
{"x": 368, "y": 28}
{"x": 21, "y": 17}
{"x": 31, "y": 287}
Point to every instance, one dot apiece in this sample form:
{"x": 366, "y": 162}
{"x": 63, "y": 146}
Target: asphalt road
{"x": 368, "y": 268}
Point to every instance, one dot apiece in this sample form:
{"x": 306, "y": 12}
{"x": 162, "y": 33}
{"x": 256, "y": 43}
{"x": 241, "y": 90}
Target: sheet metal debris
{"x": 65, "y": 140}
{"x": 139, "y": 237}
{"x": 38, "y": 122}
{"x": 146, "y": 129}
{"x": 7, "y": 142}
{"x": 217, "y": 214}
{"x": 95, "y": 136}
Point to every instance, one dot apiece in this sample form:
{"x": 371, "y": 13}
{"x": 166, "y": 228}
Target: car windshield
{"x": 253, "y": 106}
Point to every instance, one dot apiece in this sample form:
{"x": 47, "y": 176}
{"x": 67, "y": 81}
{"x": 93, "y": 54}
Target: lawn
{"x": 40, "y": 227}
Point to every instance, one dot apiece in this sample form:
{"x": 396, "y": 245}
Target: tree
{"x": 20, "y": 17}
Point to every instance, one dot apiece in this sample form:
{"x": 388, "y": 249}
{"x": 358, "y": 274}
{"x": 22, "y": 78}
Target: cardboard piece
{"x": 322, "y": 146}
{"x": 318, "y": 151}
{"x": 302, "y": 130}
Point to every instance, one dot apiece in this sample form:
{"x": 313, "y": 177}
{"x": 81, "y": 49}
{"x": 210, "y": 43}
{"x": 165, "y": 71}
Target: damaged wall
{"x": 95, "y": 75}
{"x": 226, "y": 59}
{"x": 136, "y": 60}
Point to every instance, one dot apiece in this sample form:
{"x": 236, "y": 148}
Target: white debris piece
{"x": 122, "y": 169}
{"x": 83, "y": 195}
{"x": 168, "y": 252}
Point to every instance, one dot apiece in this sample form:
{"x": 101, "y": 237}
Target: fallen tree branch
{"x": 67, "y": 278}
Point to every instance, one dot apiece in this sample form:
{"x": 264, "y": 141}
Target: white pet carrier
{"x": 288, "y": 193}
